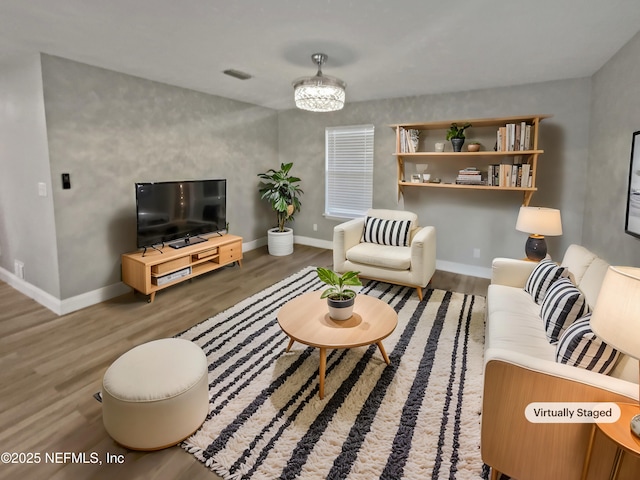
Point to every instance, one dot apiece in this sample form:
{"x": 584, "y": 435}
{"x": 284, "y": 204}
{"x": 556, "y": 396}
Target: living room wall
{"x": 109, "y": 130}
{"x": 465, "y": 220}
{"x": 27, "y": 228}
{"x": 615, "y": 115}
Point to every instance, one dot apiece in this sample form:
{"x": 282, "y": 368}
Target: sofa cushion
{"x": 562, "y": 305}
{"x": 592, "y": 280}
{"x": 513, "y": 323}
{"x": 580, "y": 347}
{"x": 577, "y": 259}
{"x": 396, "y": 258}
{"x": 541, "y": 278}
{"x": 387, "y": 232}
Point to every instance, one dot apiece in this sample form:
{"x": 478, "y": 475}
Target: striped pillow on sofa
{"x": 563, "y": 304}
{"x": 580, "y": 347}
{"x": 541, "y": 278}
{"x": 387, "y": 232}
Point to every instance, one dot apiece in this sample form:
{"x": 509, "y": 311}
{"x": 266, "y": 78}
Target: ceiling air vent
{"x": 237, "y": 74}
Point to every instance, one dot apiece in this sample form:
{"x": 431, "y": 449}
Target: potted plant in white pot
{"x": 340, "y": 299}
{"x": 282, "y": 191}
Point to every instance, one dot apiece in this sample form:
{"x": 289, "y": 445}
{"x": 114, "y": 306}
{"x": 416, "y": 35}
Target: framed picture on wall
{"x": 632, "y": 223}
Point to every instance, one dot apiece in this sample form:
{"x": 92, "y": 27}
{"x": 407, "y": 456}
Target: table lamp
{"x": 616, "y": 316}
{"x": 538, "y": 222}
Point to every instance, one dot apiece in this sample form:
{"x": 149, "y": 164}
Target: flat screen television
{"x": 168, "y": 211}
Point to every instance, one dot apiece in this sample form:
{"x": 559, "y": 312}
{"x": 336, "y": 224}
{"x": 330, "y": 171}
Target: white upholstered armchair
{"x": 387, "y": 245}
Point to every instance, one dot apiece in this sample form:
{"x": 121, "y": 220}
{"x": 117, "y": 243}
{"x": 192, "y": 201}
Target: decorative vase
{"x": 280, "y": 243}
{"x": 341, "y": 309}
{"x": 473, "y": 147}
{"x": 457, "y": 143}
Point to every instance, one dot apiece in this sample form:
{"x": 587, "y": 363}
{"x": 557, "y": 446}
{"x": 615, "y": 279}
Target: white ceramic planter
{"x": 280, "y": 243}
{"x": 341, "y": 309}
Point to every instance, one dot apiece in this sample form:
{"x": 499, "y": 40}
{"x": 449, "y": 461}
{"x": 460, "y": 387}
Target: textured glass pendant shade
{"x": 319, "y": 93}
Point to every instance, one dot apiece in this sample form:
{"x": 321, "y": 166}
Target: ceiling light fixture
{"x": 319, "y": 93}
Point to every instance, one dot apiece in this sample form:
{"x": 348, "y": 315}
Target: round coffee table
{"x": 305, "y": 319}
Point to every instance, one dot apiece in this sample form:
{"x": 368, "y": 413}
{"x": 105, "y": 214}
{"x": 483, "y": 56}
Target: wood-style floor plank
{"x": 51, "y": 366}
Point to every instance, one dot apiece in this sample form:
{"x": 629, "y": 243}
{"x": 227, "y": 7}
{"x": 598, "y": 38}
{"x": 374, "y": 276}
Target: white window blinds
{"x": 348, "y": 171}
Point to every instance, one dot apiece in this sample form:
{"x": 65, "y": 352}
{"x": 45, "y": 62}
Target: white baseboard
{"x": 313, "y": 242}
{"x": 462, "y": 269}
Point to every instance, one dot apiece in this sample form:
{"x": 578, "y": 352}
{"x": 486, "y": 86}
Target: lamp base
{"x": 536, "y": 248}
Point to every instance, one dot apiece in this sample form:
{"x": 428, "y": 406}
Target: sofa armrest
{"x": 345, "y": 236}
{"x": 511, "y": 272}
{"x": 530, "y": 451}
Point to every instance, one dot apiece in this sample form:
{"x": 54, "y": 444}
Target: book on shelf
{"x": 408, "y": 140}
{"x": 513, "y": 137}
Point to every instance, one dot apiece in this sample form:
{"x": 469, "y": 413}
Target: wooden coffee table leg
{"x": 290, "y": 344}
{"x": 323, "y": 367}
{"x": 384, "y": 354}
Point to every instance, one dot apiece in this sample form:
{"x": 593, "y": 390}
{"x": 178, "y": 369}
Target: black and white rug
{"x": 417, "y": 418}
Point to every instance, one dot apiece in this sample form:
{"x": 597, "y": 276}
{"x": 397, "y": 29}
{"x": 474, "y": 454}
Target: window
{"x": 348, "y": 171}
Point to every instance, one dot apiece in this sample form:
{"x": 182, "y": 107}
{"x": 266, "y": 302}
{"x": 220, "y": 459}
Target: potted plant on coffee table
{"x": 340, "y": 299}
{"x": 456, "y": 135}
{"x": 282, "y": 191}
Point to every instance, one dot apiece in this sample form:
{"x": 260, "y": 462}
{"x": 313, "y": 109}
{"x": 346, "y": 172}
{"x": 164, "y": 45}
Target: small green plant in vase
{"x": 340, "y": 298}
{"x": 456, "y": 135}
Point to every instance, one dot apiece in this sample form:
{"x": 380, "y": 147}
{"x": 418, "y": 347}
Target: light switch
{"x": 42, "y": 189}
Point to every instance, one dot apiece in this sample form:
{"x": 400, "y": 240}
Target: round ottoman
{"x": 156, "y": 394}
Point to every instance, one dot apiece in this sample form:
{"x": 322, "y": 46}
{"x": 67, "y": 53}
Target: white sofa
{"x": 520, "y": 368}
{"x": 412, "y": 266}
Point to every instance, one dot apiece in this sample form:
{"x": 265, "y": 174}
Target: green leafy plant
{"x": 338, "y": 283}
{"x": 456, "y": 131}
{"x": 282, "y": 191}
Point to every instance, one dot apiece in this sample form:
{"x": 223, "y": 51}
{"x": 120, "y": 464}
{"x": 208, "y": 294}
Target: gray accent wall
{"x": 615, "y": 115}
{"x": 464, "y": 220}
{"x": 109, "y": 130}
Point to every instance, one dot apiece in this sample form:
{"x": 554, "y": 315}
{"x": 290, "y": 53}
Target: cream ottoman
{"x": 156, "y": 394}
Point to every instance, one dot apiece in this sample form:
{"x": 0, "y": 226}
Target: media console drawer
{"x": 230, "y": 253}
{"x": 167, "y": 266}
{"x": 207, "y": 253}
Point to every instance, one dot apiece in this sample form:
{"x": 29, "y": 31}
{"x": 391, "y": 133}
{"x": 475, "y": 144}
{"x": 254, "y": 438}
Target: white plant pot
{"x": 341, "y": 309}
{"x": 280, "y": 243}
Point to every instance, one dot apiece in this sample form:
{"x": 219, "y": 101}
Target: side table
{"x": 620, "y": 433}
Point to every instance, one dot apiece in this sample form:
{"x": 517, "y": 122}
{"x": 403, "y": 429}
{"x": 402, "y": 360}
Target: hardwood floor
{"x": 51, "y": 366}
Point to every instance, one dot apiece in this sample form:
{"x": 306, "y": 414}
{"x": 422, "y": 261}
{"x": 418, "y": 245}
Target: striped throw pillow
{"x": 541, "y": 278}
{"x": 562, "y": 305}
{"x": 386, "y": 232}
{"x": 580, "y": 347}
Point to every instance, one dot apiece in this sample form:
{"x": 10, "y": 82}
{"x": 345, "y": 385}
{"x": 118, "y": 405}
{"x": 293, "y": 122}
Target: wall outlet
{"x": 476, "y": 253}
{"x": 315, "y": 227}
{"x": 18, "y": 269}
{"x": 42, "y": 189}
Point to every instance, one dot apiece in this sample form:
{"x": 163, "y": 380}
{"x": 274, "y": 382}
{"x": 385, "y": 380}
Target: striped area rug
{"x": 417, "y": 418}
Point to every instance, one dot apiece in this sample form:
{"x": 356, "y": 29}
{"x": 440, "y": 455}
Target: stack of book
{"x": 469, "y": 176}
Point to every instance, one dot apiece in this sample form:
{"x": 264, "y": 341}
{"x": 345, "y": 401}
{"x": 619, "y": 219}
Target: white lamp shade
{"x": 616, "y": 315}
{"x": 540, "y": 221}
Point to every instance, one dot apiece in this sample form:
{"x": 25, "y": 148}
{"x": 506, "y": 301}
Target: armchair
{"x": 412, "y": 265}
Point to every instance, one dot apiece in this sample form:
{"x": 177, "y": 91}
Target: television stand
{"x": 185, "y": 242}
{"x": 165, "y": 267}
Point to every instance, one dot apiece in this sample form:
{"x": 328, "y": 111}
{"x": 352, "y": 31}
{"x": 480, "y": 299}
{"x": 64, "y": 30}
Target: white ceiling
{"x": 380, "y": 48}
